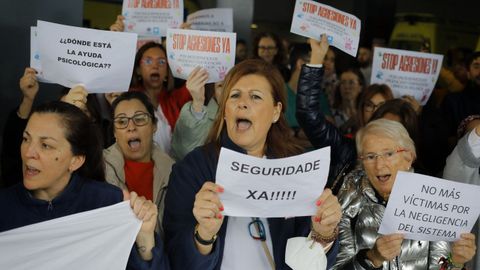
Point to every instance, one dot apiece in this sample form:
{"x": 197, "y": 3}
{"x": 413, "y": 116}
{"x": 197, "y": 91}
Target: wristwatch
{"x": 201, "y": 240}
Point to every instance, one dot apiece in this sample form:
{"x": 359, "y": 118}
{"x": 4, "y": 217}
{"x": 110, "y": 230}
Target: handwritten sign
{"x": 214, "y": 19}
{"x": 214, "y": 51}
{"x": 100, "y": 60}
{"x": 429, "y": 208}
{"x": 406, "y": 72}
{"x": 35, "y": 55}
{"x": 152, "y": 18}
{"x": 285, "y": 187}
{"x": 311, "y": 19}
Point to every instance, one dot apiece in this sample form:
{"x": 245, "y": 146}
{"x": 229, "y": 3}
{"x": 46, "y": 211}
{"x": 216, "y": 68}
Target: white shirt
{"x": 163, "y": 135}
{"x": 474, "y": 142}
{"x": 241, "y": 250}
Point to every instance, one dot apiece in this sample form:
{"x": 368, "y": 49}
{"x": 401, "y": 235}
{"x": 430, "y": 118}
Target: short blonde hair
{"x": 389, "y": 129}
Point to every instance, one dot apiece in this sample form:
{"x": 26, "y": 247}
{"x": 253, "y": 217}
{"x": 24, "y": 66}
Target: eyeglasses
{"x": 348, "y": 83}
{"x": 267, "y": 48}
{"x": 388, "y": 156}
{"x": 139, "y": 119}
{"x": 257, "y": 230}
{"x": 371, "y": 107}
{"x": 149, "y": 61}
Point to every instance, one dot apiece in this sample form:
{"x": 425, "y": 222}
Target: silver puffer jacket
{"x": 362, "y": 215}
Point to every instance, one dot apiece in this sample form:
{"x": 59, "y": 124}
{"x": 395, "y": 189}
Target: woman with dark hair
{"x": 401, "y": 111}
{"x": 61, "y": 154}
{"x": 152, "y": 76}
{"x": 268, "y": 46}
{"x": 344, "y": 109}
{"x": 135, "y": 162}
{"x": 370, "y": 100}
{"x": 251, "y": 121}
{"x": 17, "y": 120}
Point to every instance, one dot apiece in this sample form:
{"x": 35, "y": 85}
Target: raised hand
{"x": 319, "y": 49}
{"x": 77, "y": 96}
{"x": 185, "y": 25}
{"x": 29, "y": 84}
{"x": 29, "y": 87}
{"x": 196, "y": 86}
{"x": 118, "y": 25}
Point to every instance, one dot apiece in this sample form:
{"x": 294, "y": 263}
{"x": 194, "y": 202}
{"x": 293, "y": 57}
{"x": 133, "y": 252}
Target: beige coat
{"x": 115, "y": 175}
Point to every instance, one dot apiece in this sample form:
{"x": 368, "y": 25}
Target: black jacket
{"x": 11, "y": 158}
{"x": 319, "y": 131}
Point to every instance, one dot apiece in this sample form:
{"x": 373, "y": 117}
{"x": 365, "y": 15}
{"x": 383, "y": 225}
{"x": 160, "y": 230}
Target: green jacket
{"x": 190, "y": 131}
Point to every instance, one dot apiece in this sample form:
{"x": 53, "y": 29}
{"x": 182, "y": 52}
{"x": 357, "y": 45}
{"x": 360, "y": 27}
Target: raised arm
{"x": 319, "y": 131}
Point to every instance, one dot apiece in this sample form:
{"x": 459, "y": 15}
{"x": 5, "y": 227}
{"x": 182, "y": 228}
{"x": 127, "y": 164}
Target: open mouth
{"x": 155, "y": 77}
{"x": 134, "y": 144}
{"x": 383, "y": 178}
{"x": 243, "y": 124}
{"x": 31, "y": 171}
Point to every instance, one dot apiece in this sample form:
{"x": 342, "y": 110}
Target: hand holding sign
{"x": 311, "y": 18}
{"x": 319, "y": 49}
{"x": 329, "y": 213}
{"x": 196, "y": 86}
{"x": 207, "y": 208}
{"x": 29, "y": 84}
{"x": 386, "y": 248}
{"x": 147, "y": 212}
{"x": 77, "y": 96}
{"x": 464, "y": 249}
{"x": 118, "y": 25}
{"x": 29, "y": 87}
{"x": 428, "y": 208}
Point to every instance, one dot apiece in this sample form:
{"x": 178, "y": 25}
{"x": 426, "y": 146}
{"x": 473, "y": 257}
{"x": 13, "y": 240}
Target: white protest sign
{"x": 152, "y": 18}
{"x": 97, "y": 239}
{"x": 214, "y": 51}
{"x": 311, "y": 19}
{"x": 429, "y": 208}
{"x": 213, "y": 19}
{"x": 284, "y": 187}
{"x": 35, "y": 55}
{"x": 406, "y": 72}
{"x": 100, "y": 60}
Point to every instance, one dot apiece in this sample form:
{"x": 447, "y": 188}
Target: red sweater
{"x": 139, "y": 177}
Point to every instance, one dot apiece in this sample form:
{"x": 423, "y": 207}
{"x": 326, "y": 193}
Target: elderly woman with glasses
{"x": 251, "y": 121}
{"x": 135, "y": 162}
{"x": 385, "y": 148}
